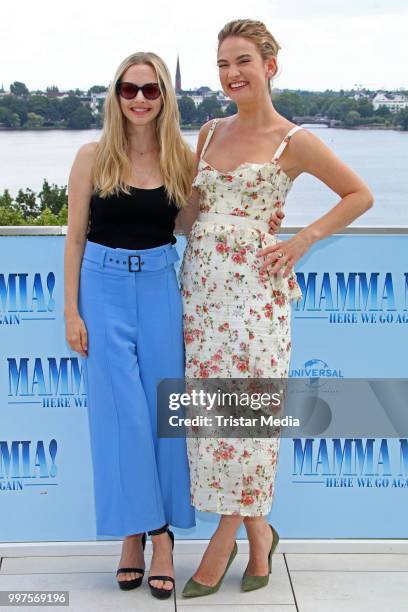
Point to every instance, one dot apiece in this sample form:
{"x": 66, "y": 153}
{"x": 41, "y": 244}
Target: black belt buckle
{"x": 130, "y": 263}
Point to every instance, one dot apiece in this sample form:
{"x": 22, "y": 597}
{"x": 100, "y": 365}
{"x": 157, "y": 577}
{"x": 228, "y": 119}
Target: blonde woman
{"x": 238, "y": 284}
{"x": 123, "y": 312}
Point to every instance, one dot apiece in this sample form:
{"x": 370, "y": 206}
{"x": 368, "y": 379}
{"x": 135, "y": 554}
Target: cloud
{"x": 325, "y": 43}
{"x": 309, "y": 9}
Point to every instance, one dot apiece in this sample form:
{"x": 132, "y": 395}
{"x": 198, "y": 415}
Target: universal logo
{"x": 316, "y": 372}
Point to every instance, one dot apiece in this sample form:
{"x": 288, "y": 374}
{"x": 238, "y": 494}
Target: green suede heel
{"x": 251, "y": 583}
{"x": 195, "y": 589}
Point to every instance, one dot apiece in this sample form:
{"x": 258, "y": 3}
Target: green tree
{"x": 68, "y": 106}
{"x": 231, "y": 109}
{"x": 47, "y": 217}
{"x": 340, "y": 107}
{"x": 209, "y": 109}
{"x": 201, "y": 115}
{"x": 34, "y": 120}
{"x": 16, "y": 121}
{"x": 352, "y": 118}
{"x": 383, "y": 111}
{"x": 325, "y": 101}
{"x": 187, "y": 109}
{"x": 50, "y": 207}
{"x": 402, "y": 118}
{"x": 97, "y": 89}
{"x": 289, "y": 104}
{"x": 54, "y": 112}
{"x": 312, "y": 109}
{"x": 63, "y": 215}
{"x": 81, "y": 118}
{"x": 365, "y": 107}
{"x": 19, "y": 89}
{"x": 9, "y": 213}
{"x": 8, "y": 118}
{"x": 98, "y": 120}
{"x": 6, "y": 201}
{"x": 16, "y": 105}
{"x": 27, "y": 203}
{"x": 11, "y": 217}
{"x": 53, "y": 197}
{"x": 38, "y": 105}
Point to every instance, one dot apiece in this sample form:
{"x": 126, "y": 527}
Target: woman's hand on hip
{"x": 76, "y": 334}
{"x": 282, "y": 256}
{"x": 276, "y": 221}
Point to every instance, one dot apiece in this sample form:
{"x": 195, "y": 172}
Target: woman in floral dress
{"x": 238, "y": 284}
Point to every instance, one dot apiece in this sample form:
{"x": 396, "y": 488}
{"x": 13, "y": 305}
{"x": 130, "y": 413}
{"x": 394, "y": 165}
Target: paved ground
{"x": 299, "y": 582}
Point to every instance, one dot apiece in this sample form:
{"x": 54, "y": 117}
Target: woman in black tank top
{"x": 122, "y": 298}
{"x": 141, "y": 219}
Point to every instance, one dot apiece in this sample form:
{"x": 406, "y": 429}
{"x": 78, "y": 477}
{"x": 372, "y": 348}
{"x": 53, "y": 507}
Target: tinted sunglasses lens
{"x": 127, "y": 90}
{"x": 151, "y": 91}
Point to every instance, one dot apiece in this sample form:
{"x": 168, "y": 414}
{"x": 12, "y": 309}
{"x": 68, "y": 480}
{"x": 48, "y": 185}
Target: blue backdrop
{"x": 352, "y": 323}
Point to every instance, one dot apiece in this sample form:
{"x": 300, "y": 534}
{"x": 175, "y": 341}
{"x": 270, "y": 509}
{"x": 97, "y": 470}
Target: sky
{"x": 325, "y": 44}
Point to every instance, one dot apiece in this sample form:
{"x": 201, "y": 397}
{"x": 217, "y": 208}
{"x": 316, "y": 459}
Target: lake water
{"x": 380, "y": 157}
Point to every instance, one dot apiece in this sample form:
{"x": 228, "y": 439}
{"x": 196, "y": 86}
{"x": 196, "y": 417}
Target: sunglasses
{"x": 151, "y": 91}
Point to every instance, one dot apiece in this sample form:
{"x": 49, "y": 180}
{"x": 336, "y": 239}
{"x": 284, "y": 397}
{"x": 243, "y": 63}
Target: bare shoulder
{"x": 204, "y": 130}
{"x": 84, "y": 160}
{"x": 303, "y": 146}
{"x": 303, "y": 142}
{"x": 202, "y": 135}
{"x": 82, "y": 167}
{"x": 87, "y": 151}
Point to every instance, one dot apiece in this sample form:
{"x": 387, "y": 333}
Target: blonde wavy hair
{"x": 112, "y": 163}
{"x": 257, "y": 32}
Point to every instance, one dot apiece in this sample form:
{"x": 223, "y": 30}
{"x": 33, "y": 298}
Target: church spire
{"x": 178, "y": 76}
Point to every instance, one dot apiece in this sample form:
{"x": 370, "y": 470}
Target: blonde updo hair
{"x": 257, "y": 32}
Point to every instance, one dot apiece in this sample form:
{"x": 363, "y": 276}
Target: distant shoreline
{"x": 194, "y": 127}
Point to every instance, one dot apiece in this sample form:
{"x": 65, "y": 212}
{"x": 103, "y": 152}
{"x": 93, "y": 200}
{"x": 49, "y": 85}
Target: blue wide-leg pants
{"x": 134, "y": 324}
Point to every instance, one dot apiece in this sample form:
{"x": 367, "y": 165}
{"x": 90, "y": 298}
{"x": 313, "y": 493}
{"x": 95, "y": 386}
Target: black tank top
{"x": 143, "y": 219}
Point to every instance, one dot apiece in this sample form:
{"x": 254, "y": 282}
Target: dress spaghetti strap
{"x": 285, "y": 141}
{"x": 209, "y": 135}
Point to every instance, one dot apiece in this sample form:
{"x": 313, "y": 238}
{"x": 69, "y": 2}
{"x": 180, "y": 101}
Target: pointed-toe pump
{"x": 251, "y": 583}
{"x": 196, "y": 589}
{"x": 157, "y": 592}
{"x": 127, "y": 585}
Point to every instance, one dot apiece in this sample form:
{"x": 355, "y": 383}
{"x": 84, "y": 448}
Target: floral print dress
{"x": 236, "y": 324}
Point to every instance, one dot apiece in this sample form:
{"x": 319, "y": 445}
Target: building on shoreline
{"x": 199, "y": 95}
{"x": 394, "y": 102}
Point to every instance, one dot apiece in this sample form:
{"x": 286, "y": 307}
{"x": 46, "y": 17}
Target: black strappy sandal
{"x": 127, "y": 585}
{"x": 156, "y": 591}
